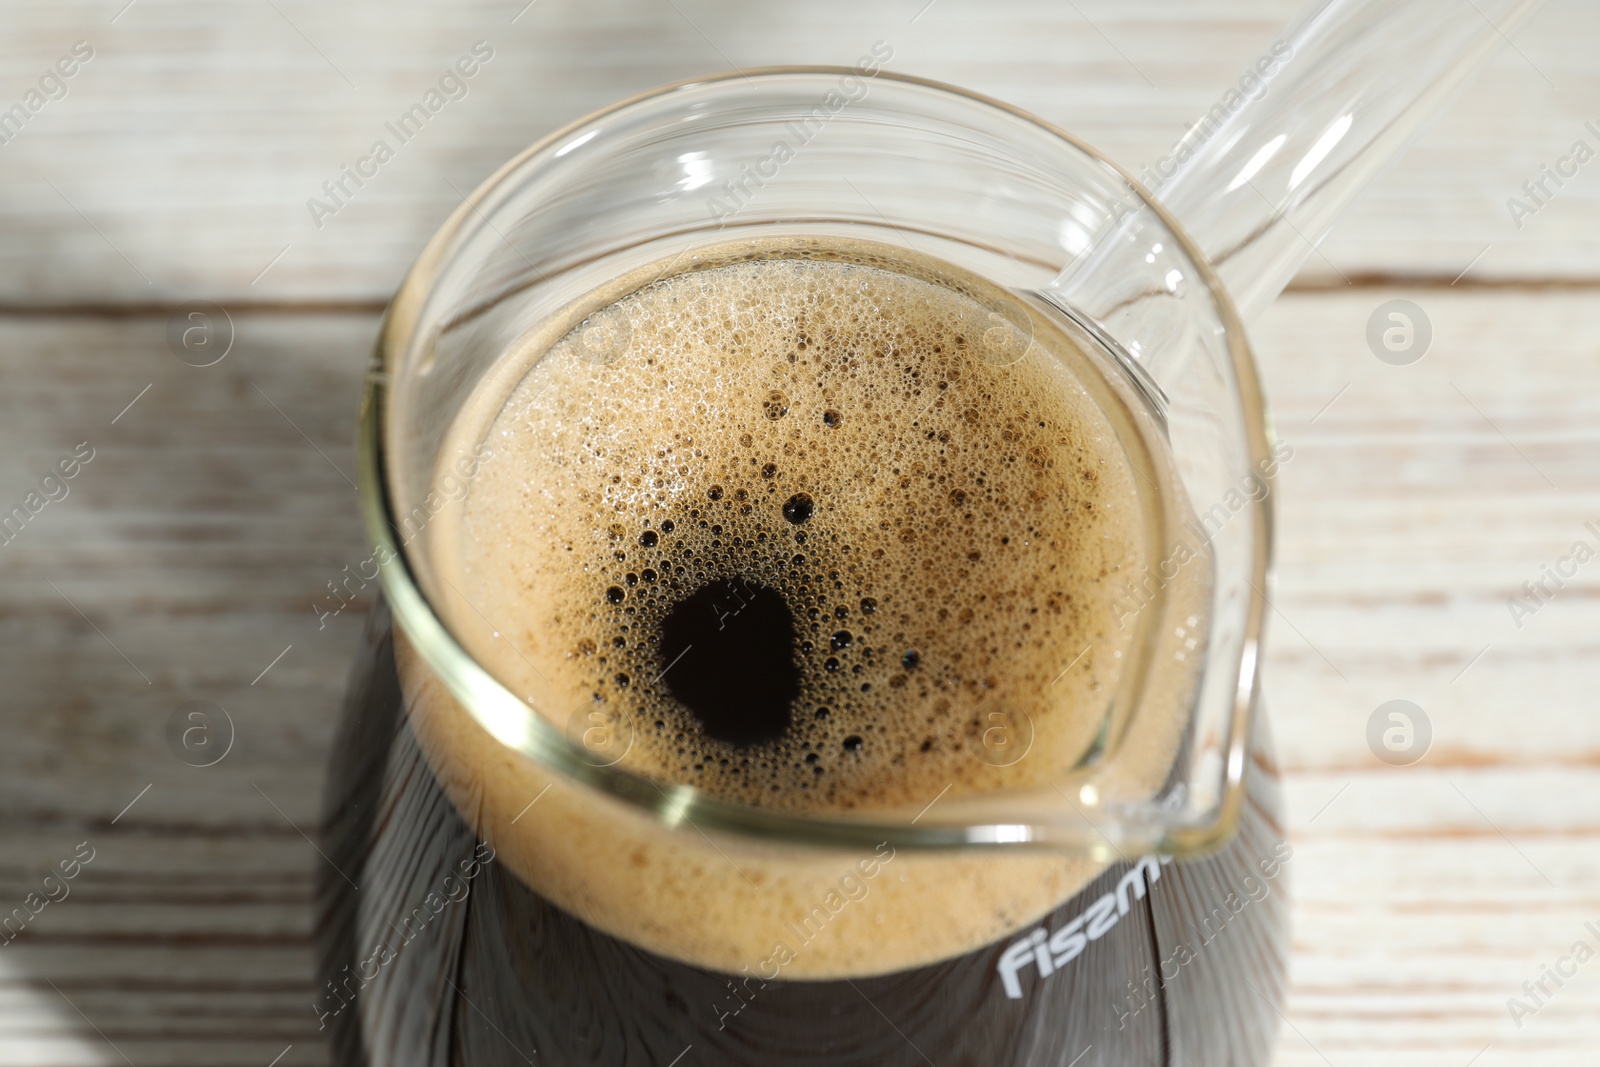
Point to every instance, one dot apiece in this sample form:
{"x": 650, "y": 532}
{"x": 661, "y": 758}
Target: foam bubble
{"x": 937, "y": 502}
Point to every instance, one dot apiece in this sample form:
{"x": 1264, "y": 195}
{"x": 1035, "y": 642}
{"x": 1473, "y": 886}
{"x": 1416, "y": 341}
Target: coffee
{"x": 818, "y": 527}
{"x": 802, "y": 520}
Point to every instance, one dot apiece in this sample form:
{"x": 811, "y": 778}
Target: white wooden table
{"x": 185, "y": 559}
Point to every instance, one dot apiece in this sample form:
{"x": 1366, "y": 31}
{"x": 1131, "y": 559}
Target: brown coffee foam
{"x": 936, "y": 455}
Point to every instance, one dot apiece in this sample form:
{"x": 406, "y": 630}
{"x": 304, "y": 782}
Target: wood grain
{"x": 205, "y": 526}
{"x": 1414, "y": 507}
{"x": 179, "y": 164}
{"x": 193, "y": 544}
{"x": 191, "y": 548}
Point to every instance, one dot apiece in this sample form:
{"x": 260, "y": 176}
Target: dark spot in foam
{"x": 732, "y": 666}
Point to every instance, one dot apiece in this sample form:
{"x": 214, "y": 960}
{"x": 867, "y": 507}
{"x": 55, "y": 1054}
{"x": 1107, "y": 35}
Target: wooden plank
{"x": 194, "y": 543}
{"x": 185, "y": 559}
{"x": 179, "y": 164}
{"x": 1412, "y": 509}
{"x": 197, "y": 537}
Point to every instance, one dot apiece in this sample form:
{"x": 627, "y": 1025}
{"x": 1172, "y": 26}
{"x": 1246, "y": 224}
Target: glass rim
{"x": 516, "y": 724}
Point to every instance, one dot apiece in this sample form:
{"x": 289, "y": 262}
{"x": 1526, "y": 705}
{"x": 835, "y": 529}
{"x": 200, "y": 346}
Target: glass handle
{"x": 1260, "y": 179}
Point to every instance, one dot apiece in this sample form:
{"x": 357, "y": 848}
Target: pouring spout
{"x": 1261, "y": 177}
